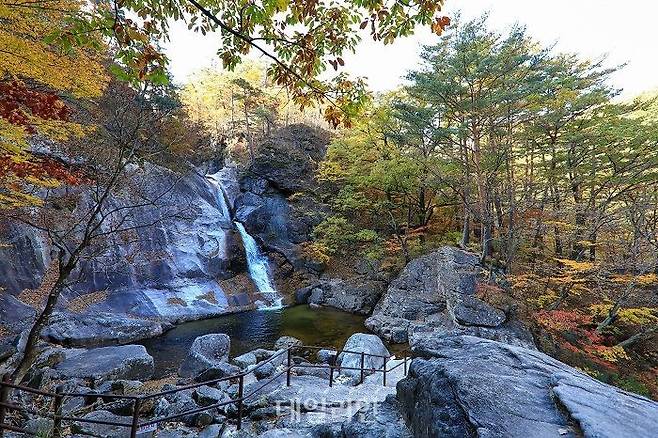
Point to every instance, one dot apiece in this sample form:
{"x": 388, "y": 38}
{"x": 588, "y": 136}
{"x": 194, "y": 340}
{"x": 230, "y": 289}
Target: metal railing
{"x": 55, "y": 408}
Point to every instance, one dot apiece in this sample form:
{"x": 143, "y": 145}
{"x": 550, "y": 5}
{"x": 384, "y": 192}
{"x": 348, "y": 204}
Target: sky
{"x": 624, "y": 31}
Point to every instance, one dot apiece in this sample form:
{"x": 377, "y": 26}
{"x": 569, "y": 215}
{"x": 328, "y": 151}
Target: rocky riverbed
{"x": 457, "y": 386}
{"x": 474, "y": 372}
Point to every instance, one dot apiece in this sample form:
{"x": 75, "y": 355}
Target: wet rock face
{"x": 14, "y": 314}
{"x": 24, "y": 260}
{"x": 207, "y": 351}
{"x": 169, "y": 270}
{"x": 463, "y": 386}
{"x": 436, "y": 293}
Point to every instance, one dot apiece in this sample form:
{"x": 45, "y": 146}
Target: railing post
{"x": 385, "y": 363}
{"x": 57, "y": 410}
{"x": 363, "y": 359}
{"x": 4, "y": 396}
{"x": 289, "y": 366}
{"x": 240, "y": 393}
{"x": 332, "y": 363}
{"x": 135, "y": 423}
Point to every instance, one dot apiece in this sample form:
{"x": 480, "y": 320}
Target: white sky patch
{"x": 625, "y": 31}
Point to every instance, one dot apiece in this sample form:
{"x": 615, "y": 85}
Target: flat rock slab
{"x": 315, "y": 393}
{"x": 86, "y": 330}
{"x": 463, "y": 386}
{"x": 126, "y": 362}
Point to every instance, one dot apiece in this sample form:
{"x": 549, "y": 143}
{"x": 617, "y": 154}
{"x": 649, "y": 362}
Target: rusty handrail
{"x": 6, "y": 385}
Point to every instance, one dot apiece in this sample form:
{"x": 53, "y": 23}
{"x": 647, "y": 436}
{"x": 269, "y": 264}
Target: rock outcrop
{"x": 437, "y": 293}
{"x": 170, "y": 271}
{"x": 463, "y": 386}
{"x": 289, "y": 158}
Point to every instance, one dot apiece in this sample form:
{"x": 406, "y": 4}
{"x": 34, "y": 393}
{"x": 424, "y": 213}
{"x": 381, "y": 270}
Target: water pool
{"x": 256, "y": 329}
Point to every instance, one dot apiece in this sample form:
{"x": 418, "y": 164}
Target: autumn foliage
{"x": 20, "y": 105}
{"x": 35, "y": 78}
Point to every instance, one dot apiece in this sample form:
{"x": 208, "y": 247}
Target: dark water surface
{"x": 256, "y": 329}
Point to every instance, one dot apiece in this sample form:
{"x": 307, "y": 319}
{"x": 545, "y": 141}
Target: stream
{"x": 255, "y": 329}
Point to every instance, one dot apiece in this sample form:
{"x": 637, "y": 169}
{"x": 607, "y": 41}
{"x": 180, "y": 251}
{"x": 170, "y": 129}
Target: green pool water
{"x": 256, "y": 329}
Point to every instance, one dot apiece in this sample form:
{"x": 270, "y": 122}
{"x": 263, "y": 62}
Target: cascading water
{"x": 257, "y": 262}
{"x": 258, "y": 266}
{"x": 221, "y": 196}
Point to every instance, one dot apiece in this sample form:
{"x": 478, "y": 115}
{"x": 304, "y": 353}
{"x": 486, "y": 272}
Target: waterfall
{"x": 258, "y": 266}
{"x": 257, "y": 262}
{"x": 222, "y": 200}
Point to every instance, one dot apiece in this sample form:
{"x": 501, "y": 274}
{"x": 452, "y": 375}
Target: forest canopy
{"x": 525, "y": 155}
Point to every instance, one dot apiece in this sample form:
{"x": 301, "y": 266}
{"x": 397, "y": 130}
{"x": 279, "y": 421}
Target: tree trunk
{"x": 250, "y": 140}
{"x": 483, "y": 201}
{"x": 466, "y": 228}
{"x": 466, "y": 225}
{"x": 637, "y": 337}
{"x": 30, "y": 351}
{"x": 592, "y": 247}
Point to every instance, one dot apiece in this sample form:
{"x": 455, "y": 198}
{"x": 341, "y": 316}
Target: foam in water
{"x": 259, "y": 271}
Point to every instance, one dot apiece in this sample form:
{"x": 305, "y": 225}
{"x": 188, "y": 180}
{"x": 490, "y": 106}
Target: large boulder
{"x": 463, "y": 386}
{"x": 412, "y": 296}
{"x": 356, "y": 295}
{"x": 206, "y": 352}
{"x": 207, "y": 395}
{"x": 437, "y": 293}
{"x": 88, "y": 330}
{"x": 128, "y": 362}
{"x": 366, "y": 343}
{"x": 289, "y": 158}
{"x": 244, "y": 360}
